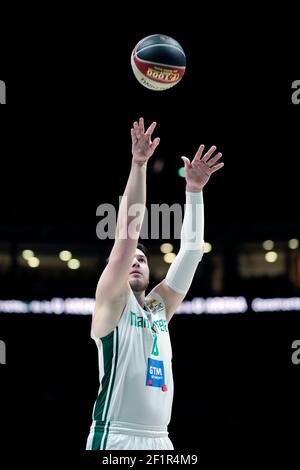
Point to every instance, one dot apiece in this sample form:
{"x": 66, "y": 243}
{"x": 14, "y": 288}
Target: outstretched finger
{"x": 136, "y": 129}
{"x": 214, "y": 160}
{"x": 133, "y": 137}
{"x": 199, "y": 153}
{"x": 186, "y": 161}
{"x": 217, "y": 167}
{"x": 141, "y": 125}
{"x": 209, "y": 153}
{"x": 155, "y": 143}
{"x": 150, "y": 129}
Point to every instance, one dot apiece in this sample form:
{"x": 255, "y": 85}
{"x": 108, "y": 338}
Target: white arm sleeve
{"x": 182, "y": 270}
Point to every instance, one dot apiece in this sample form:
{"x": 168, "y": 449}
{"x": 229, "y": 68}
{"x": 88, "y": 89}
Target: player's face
{"x": 139, "y": 272}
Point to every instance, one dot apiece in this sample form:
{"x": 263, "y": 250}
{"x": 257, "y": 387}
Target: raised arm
{"x": 175, "y": 286}
{"x": 113, "y": 287}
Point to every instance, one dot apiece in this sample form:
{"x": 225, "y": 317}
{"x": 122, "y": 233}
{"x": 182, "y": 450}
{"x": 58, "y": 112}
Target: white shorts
{"x": 127, "y": 436}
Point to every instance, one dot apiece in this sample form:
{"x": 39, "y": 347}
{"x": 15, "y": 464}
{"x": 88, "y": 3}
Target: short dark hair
{"x": 142, "y": 247}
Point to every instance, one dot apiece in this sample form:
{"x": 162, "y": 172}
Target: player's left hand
{"x": 198, "y": 172}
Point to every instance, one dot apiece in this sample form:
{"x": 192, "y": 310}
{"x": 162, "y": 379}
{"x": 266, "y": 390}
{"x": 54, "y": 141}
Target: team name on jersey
{"x": 142, "y": 322}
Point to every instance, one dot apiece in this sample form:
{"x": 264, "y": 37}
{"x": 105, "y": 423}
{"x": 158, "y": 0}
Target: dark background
{"x": 65, "y": 149}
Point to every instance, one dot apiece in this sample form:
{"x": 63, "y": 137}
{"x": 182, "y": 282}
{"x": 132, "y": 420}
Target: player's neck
{"x": 140, "y": 297}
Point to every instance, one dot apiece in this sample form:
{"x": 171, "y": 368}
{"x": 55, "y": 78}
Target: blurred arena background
{"x": 68, "y": 151}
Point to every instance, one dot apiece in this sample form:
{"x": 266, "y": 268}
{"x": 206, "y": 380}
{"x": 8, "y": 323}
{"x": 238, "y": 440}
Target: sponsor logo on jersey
{"x": 156, "y": 374}
{"x": 154, "y": 305}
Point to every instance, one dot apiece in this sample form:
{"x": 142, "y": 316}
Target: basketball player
{"x": 133, "y": 407}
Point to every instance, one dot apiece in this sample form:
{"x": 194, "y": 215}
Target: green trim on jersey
{"x": 110, "y": 359}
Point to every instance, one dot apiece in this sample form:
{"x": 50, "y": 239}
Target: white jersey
{"x": 135, "y": 370}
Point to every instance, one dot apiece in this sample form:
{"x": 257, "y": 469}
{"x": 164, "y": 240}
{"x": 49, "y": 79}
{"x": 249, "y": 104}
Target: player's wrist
{"x": 193, "y": 189}
{"x": 139, "y": 164}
